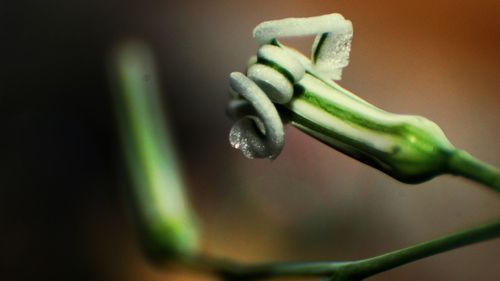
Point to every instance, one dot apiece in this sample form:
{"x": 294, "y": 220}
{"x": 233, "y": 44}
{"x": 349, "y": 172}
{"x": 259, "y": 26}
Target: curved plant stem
{"x": 349, "y": 270}
{"x": 463, "y": 164}
{"x": 371, "y": 266}
{"x": 157, "y": 196}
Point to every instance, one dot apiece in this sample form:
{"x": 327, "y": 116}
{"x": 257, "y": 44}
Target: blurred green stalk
{"x": 160, "y": 206}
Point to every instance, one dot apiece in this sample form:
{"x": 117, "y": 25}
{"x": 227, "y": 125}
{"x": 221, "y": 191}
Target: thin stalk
{"x": 349, "y": 270}
{"x": 463, "y": 164}
{"x": 372, "y": 266}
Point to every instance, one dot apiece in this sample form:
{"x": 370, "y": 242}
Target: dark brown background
{"x": 61, "y": 173}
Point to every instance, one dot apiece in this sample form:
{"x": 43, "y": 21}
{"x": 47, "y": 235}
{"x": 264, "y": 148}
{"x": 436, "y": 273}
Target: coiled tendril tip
{"x": 273, "y": 75}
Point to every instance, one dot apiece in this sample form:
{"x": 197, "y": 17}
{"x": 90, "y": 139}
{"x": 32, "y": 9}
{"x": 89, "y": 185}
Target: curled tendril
{"x": 258, "y": 131}
{"x": 263, "y": 137}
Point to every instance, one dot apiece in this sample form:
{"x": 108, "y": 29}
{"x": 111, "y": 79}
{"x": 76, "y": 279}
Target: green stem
{"x": 160, "y": 207}
{"x": 351, "y": 270}
{"x": 372, "y": 266}
{"x": 463, "y": 164}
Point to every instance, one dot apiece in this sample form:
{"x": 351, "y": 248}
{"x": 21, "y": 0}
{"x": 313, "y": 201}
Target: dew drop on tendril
{"x": 239, "y": 141}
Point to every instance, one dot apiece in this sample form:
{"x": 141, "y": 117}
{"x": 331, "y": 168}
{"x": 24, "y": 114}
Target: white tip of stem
{"x": 289, "y": 27}
{"x": 330, "y": 52}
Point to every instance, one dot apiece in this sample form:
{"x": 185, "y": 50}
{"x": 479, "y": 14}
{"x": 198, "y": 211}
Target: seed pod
{"x": 409, "y": 148}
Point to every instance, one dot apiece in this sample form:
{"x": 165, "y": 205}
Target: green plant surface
{"x": 157, "y": 196}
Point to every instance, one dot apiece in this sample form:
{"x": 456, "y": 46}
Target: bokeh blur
{"x": 62, "y": 213}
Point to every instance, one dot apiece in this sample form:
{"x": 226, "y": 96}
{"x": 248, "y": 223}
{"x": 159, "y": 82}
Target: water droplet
{"x": 239, "y": 140}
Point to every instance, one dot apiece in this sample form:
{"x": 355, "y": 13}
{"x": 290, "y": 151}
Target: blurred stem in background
{"x": 161, "y": 210}
{"x": 160, "y": 207}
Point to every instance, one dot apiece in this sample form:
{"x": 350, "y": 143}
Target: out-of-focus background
{"x": 62, "y": 216}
